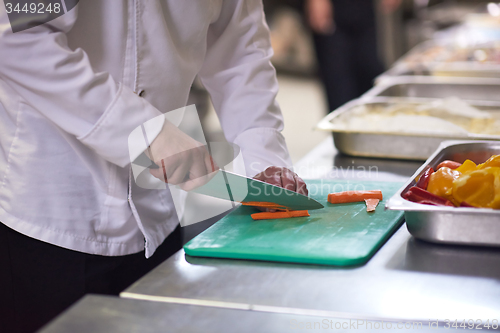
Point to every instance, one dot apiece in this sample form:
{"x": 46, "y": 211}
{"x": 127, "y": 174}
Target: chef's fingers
{"x": 211, "y": 166}
{"x": 210, "y": 163}
{"x": 273, "y": 176}
{"x": 160, "y": 173}
{"x": 197, "y": 174}
{"x": 202, "y": 171}
{"x": 157, "y": 173}
{"x": 268, "y": 174}
{"x": 191, "y": 184}
{"x": 269, "y": 178}
{"x": 260, "y": 176}
{"x": 288, "y": 180}
{"x": 301, "y": 185}
{"x": 275, "y": 179}
{"x": 176, "y": 171}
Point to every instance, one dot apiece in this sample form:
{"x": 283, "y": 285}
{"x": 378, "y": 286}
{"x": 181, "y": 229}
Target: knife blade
{"x": 237, "y": 188}
{"x": 233, "y": 187}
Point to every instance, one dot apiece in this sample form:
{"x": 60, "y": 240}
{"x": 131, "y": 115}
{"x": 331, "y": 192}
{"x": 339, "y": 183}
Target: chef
{"x": 72, "y": 89}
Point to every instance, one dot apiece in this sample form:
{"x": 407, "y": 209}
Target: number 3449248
{"x": 471, "y": 324}
{"x": 33, "y": 8}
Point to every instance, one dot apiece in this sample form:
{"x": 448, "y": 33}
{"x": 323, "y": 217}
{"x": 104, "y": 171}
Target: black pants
{"x": 348, "y": 59}
{"x": 39, "y": 280}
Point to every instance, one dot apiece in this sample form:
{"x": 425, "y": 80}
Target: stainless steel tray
{"x": 473, "y": 90}
{"x": 451, "y": 225}
{"x": 405, "y": 65}
{"x": 389, "y": 145}
{"x": 432, "y": 58}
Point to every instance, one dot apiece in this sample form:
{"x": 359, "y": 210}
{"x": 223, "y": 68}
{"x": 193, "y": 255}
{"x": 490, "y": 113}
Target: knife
{"x": 237, "y": 188}
{"x": 233, "y": 187}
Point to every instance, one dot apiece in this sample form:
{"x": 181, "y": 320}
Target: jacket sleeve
{"x": 61, "y": 84}
{"x": 242, "y": 83}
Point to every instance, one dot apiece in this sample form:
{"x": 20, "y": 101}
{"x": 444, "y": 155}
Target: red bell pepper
{"x": 419, "y": 195}
{"x": 423, "y": 181}
{"x": 449, "y": 164}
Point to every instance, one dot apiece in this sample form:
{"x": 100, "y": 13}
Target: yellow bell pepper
{"x": 466, "y": 167}
{"x": 441, "y": 182}
{"x": 493, "y": 161}
{"x": 479, "y": 188}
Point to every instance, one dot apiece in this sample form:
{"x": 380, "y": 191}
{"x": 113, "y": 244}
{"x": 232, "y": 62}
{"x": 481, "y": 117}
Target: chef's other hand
{"x": 390, "y": 6}
{"x": 182, "y": 160}
{"x": 319, "y": 15}
{"x": 283, "y": 177}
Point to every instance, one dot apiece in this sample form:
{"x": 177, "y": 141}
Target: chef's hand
{"x": 282, "y": 177}
{"x": 182, "y": 160}
{"x": 320, "y": 16}
{"x": 390, "y": 6}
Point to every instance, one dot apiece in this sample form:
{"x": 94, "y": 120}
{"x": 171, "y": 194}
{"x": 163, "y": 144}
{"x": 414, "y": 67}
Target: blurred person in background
{"x": 345, "y": 39}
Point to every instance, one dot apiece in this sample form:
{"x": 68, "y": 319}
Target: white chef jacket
{"x": 69, "y": 98}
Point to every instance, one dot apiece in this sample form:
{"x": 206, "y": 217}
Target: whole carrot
{"x": 280, "y": 215}
{"x": 353, "y": 196}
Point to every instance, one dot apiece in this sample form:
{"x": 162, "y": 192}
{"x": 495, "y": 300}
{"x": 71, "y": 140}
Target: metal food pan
{"x": 432, "y": 58}
{"x": 473, "y": 90}
{"x": 465, "y": 69}
{"x": 451, "y": 225}
{"x": 384, "y": 144}
{"x": 408, "y": 64}
{"x": 442, "y": 70}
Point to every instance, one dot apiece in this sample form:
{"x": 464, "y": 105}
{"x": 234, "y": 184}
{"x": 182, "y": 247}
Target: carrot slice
{"x": 280, "y": 215}
{"x": 371, "y": 204}
{"x": 270, "y": 205}
{"x": 353, "y": 196}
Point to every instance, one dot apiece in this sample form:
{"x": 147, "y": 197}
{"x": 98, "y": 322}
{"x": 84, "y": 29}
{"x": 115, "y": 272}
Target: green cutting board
{"x": 339, "y": 234}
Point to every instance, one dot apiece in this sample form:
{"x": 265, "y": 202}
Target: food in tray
{"x": 479, "y": 53}
{"x": 371, "y": 198}
{"x": 446, "y": 117}
{"x": 419, "y": 195}
{"x": 430, "y": 54}
{"x": 486, "y": 53}
{"x": 459, "y": 185}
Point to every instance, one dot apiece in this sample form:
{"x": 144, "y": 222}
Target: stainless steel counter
{"x": 103, "y": 314}
{"x": 406, "y": 279}
{"x": 407, "y": 285}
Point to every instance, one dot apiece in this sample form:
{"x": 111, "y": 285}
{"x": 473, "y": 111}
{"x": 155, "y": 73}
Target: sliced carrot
{"x": 280, "y": 215}
{"x": 353, "y": 196}
{"x": 371, "y": 204}
{"x": 269, "y": 205}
